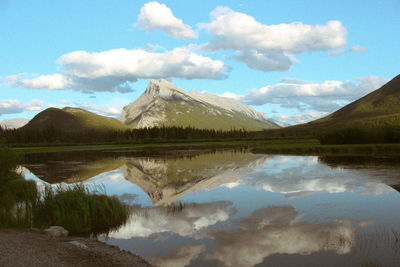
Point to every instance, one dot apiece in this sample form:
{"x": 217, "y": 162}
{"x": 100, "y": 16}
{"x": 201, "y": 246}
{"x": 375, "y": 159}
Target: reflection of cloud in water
{"x": 146, "y": 221}
{"x": 298, "y": 176}
{"x": 179, "y": 257}
{"x": 275, "y": 230}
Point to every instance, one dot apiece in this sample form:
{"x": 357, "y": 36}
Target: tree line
{"x": 51, "y": 134}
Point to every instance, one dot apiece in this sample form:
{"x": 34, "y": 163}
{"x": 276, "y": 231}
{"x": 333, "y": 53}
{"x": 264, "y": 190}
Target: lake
{"x": 229, "y": 207}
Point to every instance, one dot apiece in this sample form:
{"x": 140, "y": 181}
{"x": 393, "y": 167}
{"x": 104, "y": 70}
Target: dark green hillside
{"x": 379, "y": 108}
{"x": 381, "y": 103}
{"x": 72, "y": 120}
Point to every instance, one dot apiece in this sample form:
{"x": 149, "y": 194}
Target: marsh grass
{"x": 81, "y": 209}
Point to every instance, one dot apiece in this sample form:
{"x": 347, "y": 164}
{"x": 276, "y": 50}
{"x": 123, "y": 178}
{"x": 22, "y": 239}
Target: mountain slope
{"x": 379, "y": 108}
{"x": 163, "y": 103}
{"x": 72, "y": 120}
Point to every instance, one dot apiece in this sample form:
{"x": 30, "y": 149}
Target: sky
{"x": 295, "y": 61}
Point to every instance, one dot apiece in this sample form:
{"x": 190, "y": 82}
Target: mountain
{"x": 379, "y": 108}
{"x": 72, "y": 120}
{"x": 13, "y": 123}
{"x": 164, "y": 103}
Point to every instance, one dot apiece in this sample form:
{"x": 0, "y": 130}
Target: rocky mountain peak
{"x": 163, "y": 88}
{"x": 164, "y": 103}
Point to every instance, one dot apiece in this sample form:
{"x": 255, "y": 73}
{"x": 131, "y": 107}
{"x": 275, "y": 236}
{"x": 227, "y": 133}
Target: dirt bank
{"x": 21, "y": 248}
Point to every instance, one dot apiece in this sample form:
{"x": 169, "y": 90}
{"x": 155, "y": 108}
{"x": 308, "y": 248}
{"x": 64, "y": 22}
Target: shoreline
{"x": 30, "y": 248}
{"x": 302, "y": 146}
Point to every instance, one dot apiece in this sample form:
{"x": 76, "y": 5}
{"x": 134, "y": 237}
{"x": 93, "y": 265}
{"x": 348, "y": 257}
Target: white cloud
{"x": 319, "y": 97}
{"x": 65, "y": 102}
{"x": 266, "y": 61}
{"x": 113, "y": 70}
{"x": 297, "y": 118}
{"x": 114, "y": 111}
{"x": 278, "y": 230}
{"x": 13, "y": 106}
{"x": 342, "y": 50}
{"x": 154, "y": 15}
{"x": 265, "y": 45}
{"x": 358, "y": 48}
{"x": 13, "y": 123}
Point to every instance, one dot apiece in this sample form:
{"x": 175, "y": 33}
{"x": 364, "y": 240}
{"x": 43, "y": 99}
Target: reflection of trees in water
{"x": 72, "y": 166}
{"x": 361, "y": 162}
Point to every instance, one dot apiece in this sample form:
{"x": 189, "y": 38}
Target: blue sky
{"x": 293, "y": 60}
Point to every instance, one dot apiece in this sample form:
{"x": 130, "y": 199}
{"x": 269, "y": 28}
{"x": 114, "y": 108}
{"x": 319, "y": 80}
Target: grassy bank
{"x": 318, "y": 149}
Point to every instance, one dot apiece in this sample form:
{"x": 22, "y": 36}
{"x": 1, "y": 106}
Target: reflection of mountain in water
{"x": 165, "y": 174}
{"x": 167, "y": 179}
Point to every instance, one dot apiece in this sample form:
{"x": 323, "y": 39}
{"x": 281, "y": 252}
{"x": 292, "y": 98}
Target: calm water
{"x": 229, "y": 207}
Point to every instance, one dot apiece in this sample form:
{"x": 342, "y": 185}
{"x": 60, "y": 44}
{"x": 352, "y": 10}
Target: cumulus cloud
{"x": 114, "y": 111}
{"x": 147, "y": 221}
{"x": 154, "y": 15}
{"x": 297, "y": 118}
{"x": 267, "y": 44}
{"x": 342, "y": 50}
{"x": 266, "y": 61}
{"x": 278, "y": 230}
{"x": 13, "y": 123}
{"x": 14, "y": 106}
{"x": 114, "y": 70}
{"x": 314, "y": 97}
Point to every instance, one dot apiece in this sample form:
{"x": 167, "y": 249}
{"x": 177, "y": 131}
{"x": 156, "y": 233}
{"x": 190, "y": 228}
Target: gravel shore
{"x": 23, "y": 248}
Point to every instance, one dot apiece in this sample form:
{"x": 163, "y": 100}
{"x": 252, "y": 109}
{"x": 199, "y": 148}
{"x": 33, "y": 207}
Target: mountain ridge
{"x": 69, "y": 119}
{"x": 165, "y": 104}
{"x": 378, "y": 108}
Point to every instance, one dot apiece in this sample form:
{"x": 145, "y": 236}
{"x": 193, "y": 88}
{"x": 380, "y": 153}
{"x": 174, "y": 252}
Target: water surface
{"x": 229, "y": 207}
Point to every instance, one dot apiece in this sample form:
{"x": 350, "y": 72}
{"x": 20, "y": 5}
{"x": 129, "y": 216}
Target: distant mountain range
{"x": 164, "y": 103}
